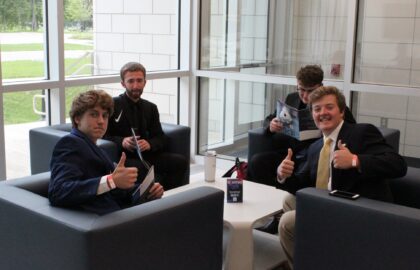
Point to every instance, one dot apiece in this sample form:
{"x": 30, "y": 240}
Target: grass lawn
{"x": 17, "y": 106}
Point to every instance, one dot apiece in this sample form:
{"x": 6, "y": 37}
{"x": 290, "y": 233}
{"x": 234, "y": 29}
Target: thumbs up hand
{"x": 342, "y": 157}
{"x": 124, "y": 177}
{"x": 286, "y": 166}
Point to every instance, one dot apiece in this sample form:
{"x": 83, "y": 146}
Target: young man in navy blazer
{"x": 82, "y": 175}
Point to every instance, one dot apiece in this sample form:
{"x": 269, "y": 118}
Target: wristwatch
{"x": 354, "y": 161}
{"x": 110, "y": 181}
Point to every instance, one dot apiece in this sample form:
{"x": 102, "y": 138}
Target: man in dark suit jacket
{"x": 82, "y": 175}
{"x": 262, "y": 166}
{"x": 359, "y": 160}
{"x": 131, "y": 111}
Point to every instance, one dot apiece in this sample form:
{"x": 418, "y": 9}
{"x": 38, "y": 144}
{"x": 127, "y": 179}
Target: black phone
{"x": 344, "y": 194}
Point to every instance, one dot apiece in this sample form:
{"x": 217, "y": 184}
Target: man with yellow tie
{"x": 349, "y": 157}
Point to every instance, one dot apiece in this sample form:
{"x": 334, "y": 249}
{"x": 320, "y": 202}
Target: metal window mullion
{"x": 54, "y": 39}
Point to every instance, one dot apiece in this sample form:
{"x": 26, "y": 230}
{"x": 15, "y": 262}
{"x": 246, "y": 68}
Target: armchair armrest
{"x": 261, "y": 141}
{"x": 336, "y": 233}
{"x": 183, "y": 231}
{"x": 37, "y": 183}
{"x": 178, "y": 139}
{"x": 42, "y": 141}
{"x": 179, "y": 142}
{"x": 406, "y": 190}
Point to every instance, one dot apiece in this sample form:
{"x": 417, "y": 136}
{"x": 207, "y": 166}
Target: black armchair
{"x": 42, "y": 141}
{"x": 261, "y": 141}
{"x": 182, "y": 231}
{"x": 336, "y": 233}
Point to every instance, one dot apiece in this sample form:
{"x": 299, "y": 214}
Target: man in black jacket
{"x": 131, "y": 111}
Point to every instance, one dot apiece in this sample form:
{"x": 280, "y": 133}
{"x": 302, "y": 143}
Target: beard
{"x": 134, "y": 94}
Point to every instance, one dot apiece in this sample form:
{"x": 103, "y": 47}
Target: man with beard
{"x": 133, "y": 112}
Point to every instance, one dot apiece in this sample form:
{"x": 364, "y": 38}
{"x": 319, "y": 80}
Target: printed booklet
{"x": 297, "y": 123}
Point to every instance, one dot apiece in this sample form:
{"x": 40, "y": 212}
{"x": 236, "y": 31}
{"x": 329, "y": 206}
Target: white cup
{"x": 210, "y": 166}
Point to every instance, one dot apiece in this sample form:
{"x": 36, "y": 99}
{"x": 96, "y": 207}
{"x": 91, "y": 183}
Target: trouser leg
{"x": 287, "y": 227}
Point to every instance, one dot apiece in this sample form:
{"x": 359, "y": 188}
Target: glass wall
{"x": 229, "y": 108}
{"x": 22, "y": 40}
{"x": 279, "y": 36}
{"x": 387, "y": 53}
{"x": 388, "y": 43}
{"x": 98, "y": 38}
{"x": 261, "y": 38}
{"x": 101, "y": 36}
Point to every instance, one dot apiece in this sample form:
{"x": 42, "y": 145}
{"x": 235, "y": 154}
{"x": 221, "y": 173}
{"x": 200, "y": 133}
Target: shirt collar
{"x": 333, "y": 136}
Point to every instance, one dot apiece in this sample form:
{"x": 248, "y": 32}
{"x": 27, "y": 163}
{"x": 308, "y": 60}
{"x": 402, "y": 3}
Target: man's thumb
{"x": 289, "y": 154}
{"x": 341, "y": 146}
{"x": 122, "y": 161}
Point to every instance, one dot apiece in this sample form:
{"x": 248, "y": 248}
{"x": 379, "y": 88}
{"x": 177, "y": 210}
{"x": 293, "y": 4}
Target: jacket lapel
{"x": 94, "y": 148}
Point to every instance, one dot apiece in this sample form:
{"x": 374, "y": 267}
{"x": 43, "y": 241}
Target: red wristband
{"x": 110, "y": 181}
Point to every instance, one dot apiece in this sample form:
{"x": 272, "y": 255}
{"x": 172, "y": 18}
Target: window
{"x": 22, "y": 40}
{"x": 229, "y": 108}
{"x": 280, "y": 36}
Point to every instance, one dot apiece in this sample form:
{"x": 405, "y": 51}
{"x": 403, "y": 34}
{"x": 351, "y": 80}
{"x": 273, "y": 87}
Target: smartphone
{"x": 344, "y": 194}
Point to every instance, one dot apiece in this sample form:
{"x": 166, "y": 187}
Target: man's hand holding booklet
{"x": 297, "y": 123}
{"x": 140, "y": 193}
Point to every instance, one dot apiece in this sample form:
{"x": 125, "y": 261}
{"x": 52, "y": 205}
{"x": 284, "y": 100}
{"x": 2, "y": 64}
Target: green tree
{"x": 78, "y": 13}
{"x": 18, "y": 15}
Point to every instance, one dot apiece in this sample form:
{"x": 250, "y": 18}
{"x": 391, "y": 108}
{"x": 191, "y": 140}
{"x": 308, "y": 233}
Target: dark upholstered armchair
{"x": 42, "y": 141}
{"x": 260, "y": 141}
{"x": 182, "y": 231}
{"x": 335, "y": 233}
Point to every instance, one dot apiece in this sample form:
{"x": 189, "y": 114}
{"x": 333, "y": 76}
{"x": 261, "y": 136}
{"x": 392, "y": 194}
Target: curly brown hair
{"x": 310, "y": 75}
{"x": 89, "y": 100}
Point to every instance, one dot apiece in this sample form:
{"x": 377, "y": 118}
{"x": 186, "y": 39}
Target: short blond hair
{"x": 323, "y": 91}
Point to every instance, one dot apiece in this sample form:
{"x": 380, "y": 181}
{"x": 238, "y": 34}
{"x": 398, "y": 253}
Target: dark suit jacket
{"x": 147, "y": 121}
{"x": 378, "y": 162}
{"x": 294, "y": 100}
{"x": 77, "y": 165}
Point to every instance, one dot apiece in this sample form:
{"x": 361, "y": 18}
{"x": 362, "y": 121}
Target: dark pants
{"x": 170, "y": 168}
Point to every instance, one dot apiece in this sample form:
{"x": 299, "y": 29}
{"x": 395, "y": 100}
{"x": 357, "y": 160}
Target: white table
{"x": 259, "y": 203}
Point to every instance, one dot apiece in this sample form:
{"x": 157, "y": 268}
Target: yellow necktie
{"x": 323, "y": 173}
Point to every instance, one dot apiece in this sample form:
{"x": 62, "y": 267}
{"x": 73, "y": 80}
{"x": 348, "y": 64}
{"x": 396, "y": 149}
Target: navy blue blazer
{"x": 378, "y": 161}
{"x": 77, "y": 165}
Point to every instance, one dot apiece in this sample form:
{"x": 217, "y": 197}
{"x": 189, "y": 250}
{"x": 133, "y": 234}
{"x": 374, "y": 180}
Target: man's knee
{"x": 289, "y": 202}
{"x": 287, "y": 225}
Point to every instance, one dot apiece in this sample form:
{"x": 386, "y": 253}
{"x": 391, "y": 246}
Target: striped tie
{"x": 323, "y": 173}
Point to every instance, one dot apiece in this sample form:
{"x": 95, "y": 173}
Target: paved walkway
{"x": 17, "y": 148}
{"x": 29, "y": 38}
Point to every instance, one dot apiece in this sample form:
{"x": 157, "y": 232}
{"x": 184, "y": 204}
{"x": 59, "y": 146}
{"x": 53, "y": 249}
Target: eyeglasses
{"x": 307, "y": 90}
